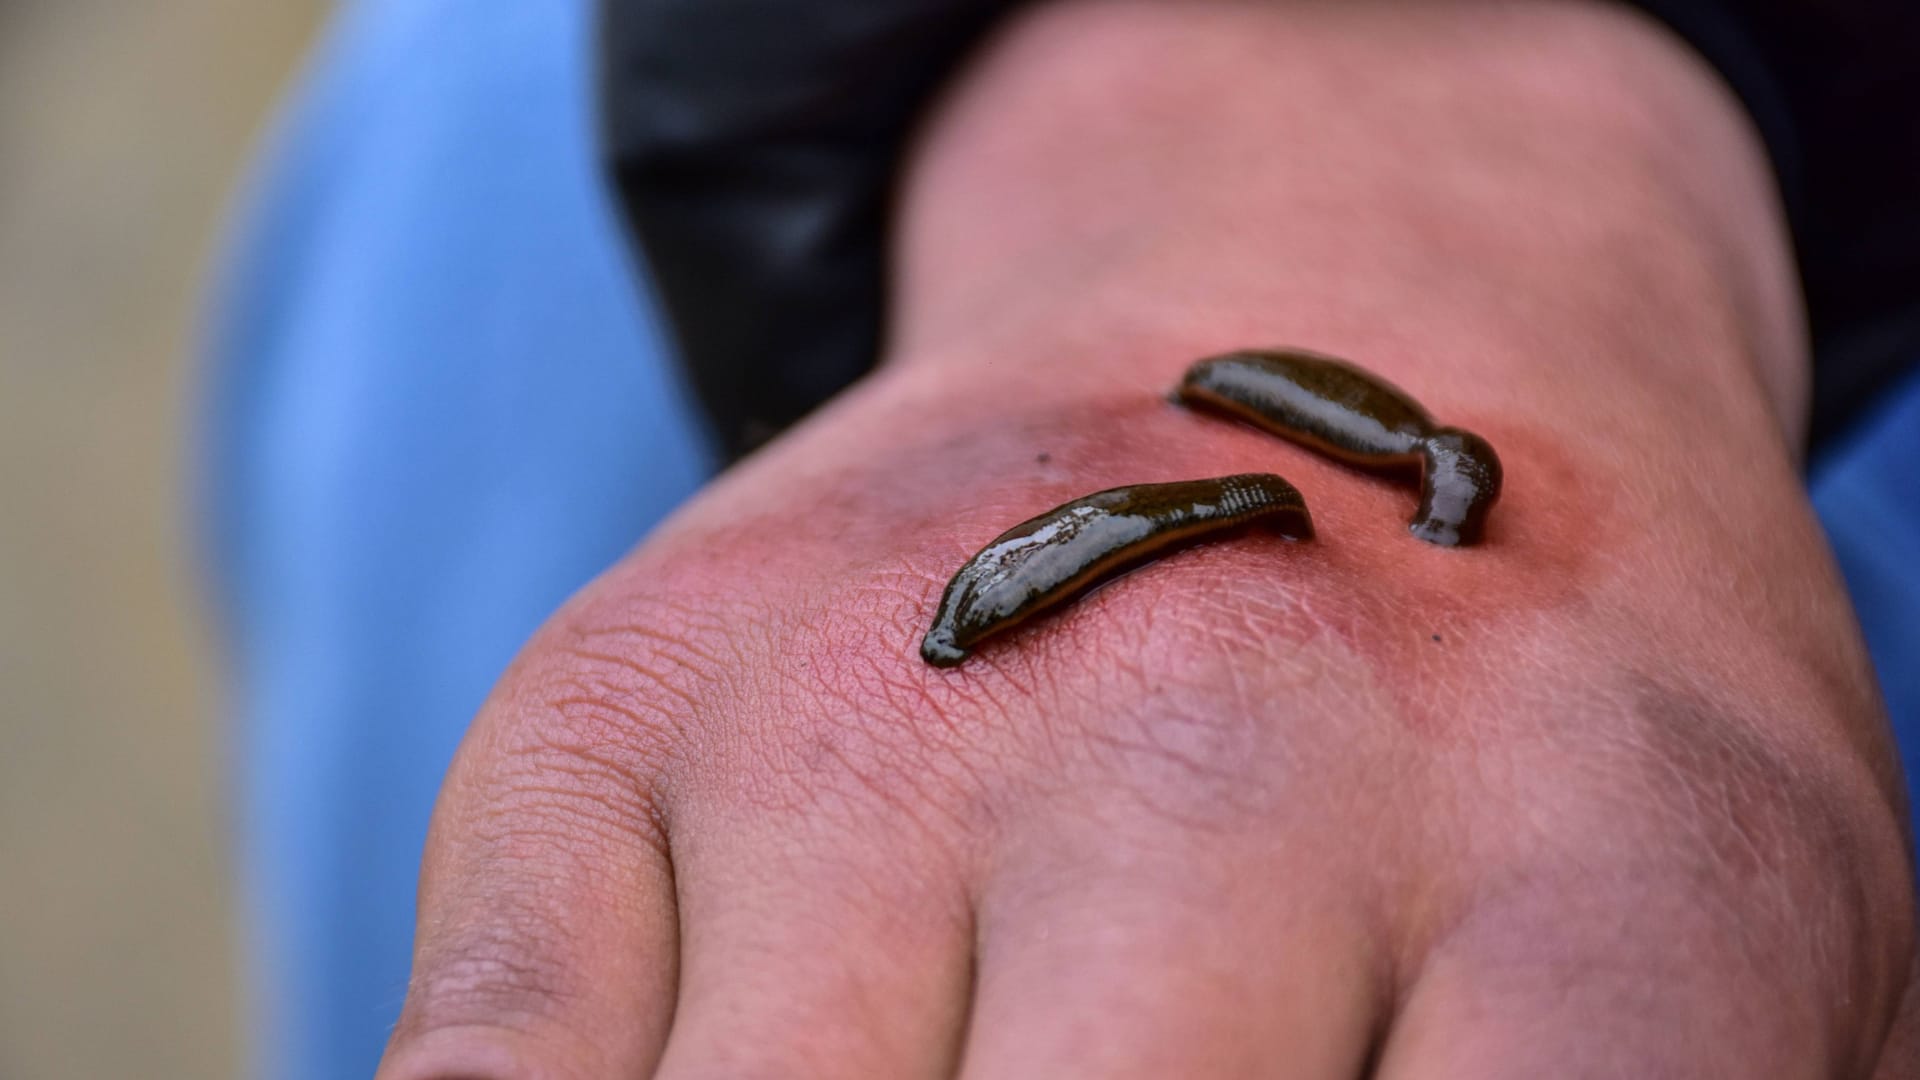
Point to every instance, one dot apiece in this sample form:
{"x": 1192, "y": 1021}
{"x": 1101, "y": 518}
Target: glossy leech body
{"x": 1049, "y": 560}
{"x": 1353, "y": 416}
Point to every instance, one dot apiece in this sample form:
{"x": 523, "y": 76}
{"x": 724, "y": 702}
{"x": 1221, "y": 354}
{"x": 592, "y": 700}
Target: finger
{"x": 1608, "y": 987}
{"x": 1204, "y": 957}
{"x": 818, "y": 944}
{"x": 546, "y": 938}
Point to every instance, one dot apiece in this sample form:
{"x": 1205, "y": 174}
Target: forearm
{"x": 1559, "y": 186}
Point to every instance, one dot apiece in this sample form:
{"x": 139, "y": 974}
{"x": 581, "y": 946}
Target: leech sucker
{"x": 1049, "y": 560}
{"x": 1353, "y": 416}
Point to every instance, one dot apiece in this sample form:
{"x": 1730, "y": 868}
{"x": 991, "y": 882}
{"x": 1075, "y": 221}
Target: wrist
{"x": 1546, "y": 195}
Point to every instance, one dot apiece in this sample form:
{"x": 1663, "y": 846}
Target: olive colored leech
{"x": 1354, "y": 416}
{"x": 1043, "y": 563}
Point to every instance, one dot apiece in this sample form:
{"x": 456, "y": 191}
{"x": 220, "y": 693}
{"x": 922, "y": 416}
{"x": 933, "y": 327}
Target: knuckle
{"x": 561, "y": 777}
{"x": 859, "y": 702}
{"x": 559, "y": 811}
{"x": 1778, "y": 821}
{"x": 577, "y": 754}
{"x": 505, "y": 973}
{"x": 617, "y": 696}
{"x": 1730, "y": 843}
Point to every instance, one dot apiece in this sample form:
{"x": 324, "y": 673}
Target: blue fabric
{"x": 1867, "y": 491}
{"x": 435, "y": 407}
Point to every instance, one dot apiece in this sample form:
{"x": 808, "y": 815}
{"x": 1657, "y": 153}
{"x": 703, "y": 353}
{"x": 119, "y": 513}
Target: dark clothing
{"x": 755, "y": 144}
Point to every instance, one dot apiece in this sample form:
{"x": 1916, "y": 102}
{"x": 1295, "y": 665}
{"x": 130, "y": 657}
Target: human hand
{"x": 1259, "y": 809}
{"x": 1606, "y": 796}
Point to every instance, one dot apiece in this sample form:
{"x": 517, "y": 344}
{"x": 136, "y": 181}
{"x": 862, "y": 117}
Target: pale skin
{"x": 1609, "y": 796}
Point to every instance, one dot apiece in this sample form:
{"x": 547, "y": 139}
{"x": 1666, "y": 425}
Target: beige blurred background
{"x": 124, "y": 127}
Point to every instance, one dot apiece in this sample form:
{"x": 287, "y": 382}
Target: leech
{"x": 1045, "y": 562}
{"x": 1354, "y": 416}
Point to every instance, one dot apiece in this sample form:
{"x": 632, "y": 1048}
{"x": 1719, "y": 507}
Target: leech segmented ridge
{"x": 1345, "y": 412}
{"x": 1047, "y": 561}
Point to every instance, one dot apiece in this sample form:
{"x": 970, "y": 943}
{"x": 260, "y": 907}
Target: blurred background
{"x": 124, "y": 131}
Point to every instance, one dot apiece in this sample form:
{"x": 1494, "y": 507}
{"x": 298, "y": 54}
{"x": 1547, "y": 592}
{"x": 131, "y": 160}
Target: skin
{"x": 1610, "y": 797}
{"x": 1044, "y": 562}
{"x": 1341, "y": 410}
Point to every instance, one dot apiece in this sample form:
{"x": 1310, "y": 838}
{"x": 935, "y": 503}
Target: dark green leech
{"x": 1043, "y": 563}
{"x": 1354, "y": 416}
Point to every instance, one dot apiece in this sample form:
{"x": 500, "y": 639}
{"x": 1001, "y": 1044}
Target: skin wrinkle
{"x": 884, "y": 785}
{"x": 904, "y": 763}
{"x": 614, "y": 769}
{"x": 865, "y": 688}
{"x": 1080, "y": 735}
{"x": 505, "y": 973}
{"x": 549, "y": 742}
{"x": 637, "y": 750}
{"x": 894, "y": 763}
{"x": 558, "y": 796}
{"x": 665, "y": 643}
{"x": 657, "y": 678}
{"x": 612, "y": 689}
{"x": 901, "y": 757}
